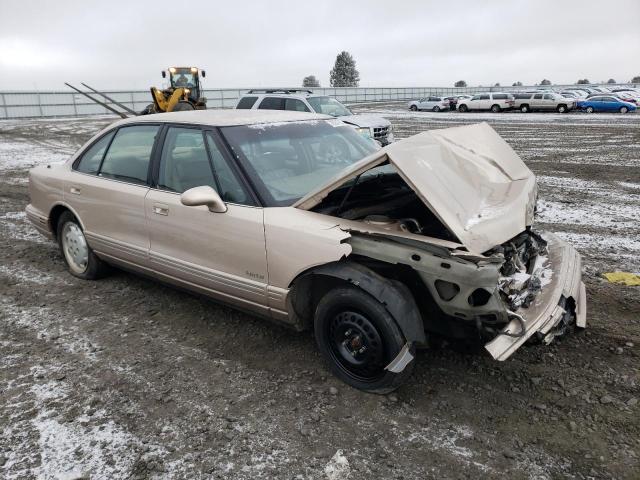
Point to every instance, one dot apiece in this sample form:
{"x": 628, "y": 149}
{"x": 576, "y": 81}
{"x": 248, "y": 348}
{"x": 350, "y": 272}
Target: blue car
{"x": 605, "y": 103}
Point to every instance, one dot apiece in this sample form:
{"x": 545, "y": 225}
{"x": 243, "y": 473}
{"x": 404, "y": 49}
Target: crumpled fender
{"x": 394, "y": 295}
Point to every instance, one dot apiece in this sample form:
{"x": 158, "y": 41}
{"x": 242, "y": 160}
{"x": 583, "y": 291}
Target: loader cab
{"x": 186, "y": 77}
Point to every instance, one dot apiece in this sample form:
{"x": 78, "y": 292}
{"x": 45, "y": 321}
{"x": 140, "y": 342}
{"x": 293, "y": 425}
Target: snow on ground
{"x": 21, "y": 155}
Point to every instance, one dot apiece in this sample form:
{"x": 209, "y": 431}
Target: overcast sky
{"x": 119, "y": 44}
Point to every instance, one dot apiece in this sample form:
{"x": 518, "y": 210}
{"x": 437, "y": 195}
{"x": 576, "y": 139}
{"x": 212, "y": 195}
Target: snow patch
{"x": 338, "y": 467}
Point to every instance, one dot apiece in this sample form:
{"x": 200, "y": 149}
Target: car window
{"x": 229, "y": 188}
{"x": 548, "y": 97}
{"x": 129, "y": 153}
{"x": 91, "y": 159}
{"x": 246, "y": 102}
{"x": 522, "y": 96}
{"x": 272, "y": 103}
{"x": 184, "y": 162}
{"x": 499, "y": 96}
{"x": 286, "y": 161}
{"x": 538, "y": 96}
{"x": 476, "y": 97}
{"x": 484, "y": 97}
{"x": 295, "y": 105}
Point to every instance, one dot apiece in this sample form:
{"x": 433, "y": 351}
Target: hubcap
{"x": 356, "y": 345}
{"x": 75, "y": 248}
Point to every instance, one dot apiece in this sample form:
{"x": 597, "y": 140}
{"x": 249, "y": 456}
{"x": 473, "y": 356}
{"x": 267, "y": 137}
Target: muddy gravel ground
{"x": 127, "y": 378}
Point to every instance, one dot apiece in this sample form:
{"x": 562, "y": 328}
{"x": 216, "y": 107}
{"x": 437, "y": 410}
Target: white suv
{"x": 494, "y": 101}
{"x": 302, "y": 100}
{"x": 432, "y": 103}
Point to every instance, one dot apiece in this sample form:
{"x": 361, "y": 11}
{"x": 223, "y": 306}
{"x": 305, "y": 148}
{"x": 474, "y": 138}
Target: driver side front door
{"x": 220, "y": 254}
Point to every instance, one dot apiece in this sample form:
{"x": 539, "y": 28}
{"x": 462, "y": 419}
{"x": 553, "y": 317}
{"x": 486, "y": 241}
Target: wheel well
{"x": 398, "y": 287}
{"x": 54, "y": 218}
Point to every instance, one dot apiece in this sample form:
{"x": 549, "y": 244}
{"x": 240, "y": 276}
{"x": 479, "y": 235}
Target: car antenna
{"x": 346, "y": 196}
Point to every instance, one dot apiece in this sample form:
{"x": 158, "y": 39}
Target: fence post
{"x": 4, "y": 105}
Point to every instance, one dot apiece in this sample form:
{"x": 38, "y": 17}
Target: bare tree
{"x": 460, "y": 83}
{"x": 310, "y": 81}
{"x": 344, "y": 73}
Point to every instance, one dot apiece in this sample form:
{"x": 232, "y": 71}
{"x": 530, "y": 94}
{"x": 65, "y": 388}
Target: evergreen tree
{"x": 344, "y": 73}
{"x": 460, "y": 83}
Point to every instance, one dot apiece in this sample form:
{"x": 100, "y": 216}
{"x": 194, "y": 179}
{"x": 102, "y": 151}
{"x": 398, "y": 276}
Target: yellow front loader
{"x": 184, "y": 92}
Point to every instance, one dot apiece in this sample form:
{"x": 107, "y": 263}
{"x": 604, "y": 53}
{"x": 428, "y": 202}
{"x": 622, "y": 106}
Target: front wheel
{"x": 436, "y": 108}
{"x": 463, "y": 108}
{"x": 562, "y": 108}
{"x": 358, "y": 338}
{"x": 182, "y": 106}
{"x": 589, "y": 109}
{"x": 624, "y": 109}
{"x": 413, "y": 108}
{"x": 495, "y": 108}
{"x": 78, "y": 255}
{"x": 524, "y": 108}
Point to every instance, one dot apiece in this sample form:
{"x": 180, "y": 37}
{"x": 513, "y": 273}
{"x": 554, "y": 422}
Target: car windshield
{"x": 328, "y": 106}
{"x": 287, "y": 160}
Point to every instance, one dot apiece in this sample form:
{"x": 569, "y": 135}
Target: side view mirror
{"x": 205, "y": 195}
{"x": 204, "y": 74}
{"x": 164, "y": 74}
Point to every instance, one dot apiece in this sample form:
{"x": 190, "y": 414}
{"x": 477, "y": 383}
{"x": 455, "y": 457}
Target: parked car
{"x": 302, "y": 100}
{"x": 494, "y": 101}
{"x": 296, "y": 218}
{"x": 530, "y": 102}
{"x": 605, "y": 103}
{"x": 433, "y": 103}
{"x": 624, "y": 96}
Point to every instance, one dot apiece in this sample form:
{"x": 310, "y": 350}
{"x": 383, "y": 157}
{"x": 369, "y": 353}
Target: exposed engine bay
{"x": 382, "y": 198}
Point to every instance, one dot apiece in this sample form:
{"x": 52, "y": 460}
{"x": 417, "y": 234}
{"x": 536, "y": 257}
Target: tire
{"x": 346, "y": 319}
{"x": 495, "y": 108}
{"x": 463, "y": 108}
{"x": 149, "y": 109}
{"x": 525, "y": 108}
{"x": 589, "y": 110}
{"x": 436, "y": 108}
{"x": 182, "y": 107}
{"x": 77, "y": 254}
{"x": 562, "y": 109}
{"x": 624, "y": 109}
{"x": 413, "y": 108}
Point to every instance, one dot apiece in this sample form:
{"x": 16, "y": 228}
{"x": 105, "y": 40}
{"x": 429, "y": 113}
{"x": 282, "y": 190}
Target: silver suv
{"x": 543, "y": 101}
{"x": 302, "y": 100}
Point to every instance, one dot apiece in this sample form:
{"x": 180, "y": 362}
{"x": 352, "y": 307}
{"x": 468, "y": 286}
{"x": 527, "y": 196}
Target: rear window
{"x": 272, "y": 103}
{"x": 91, "y": 159}
{"x": 246, "y": 102}
{"x": 129, "y": 153}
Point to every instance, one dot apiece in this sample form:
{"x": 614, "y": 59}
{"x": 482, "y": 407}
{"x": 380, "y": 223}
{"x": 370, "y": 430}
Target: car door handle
{"x": 75, "y": 190}
{"x": 160, "y": 209}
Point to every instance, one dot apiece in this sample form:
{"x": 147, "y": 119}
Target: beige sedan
{"x": 297, "y": 218}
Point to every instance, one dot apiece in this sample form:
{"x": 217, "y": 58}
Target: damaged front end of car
{"x": 488, "y": 274}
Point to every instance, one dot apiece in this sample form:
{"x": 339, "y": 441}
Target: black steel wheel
{"x": 463, "y": 108}
{"x": 182, "y": 107}
{"x": 358, "y": 337}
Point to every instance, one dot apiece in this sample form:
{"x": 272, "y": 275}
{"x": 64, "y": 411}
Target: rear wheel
{"x": 589, "y": 109}
{"x": 524, "y": 108}
{"x": 436, "y": 108}
{"x": 562, "y": 108}
{"x": 413, "y": 108}
{"x": 624, "y": 109}
{"x": 463, "y": 108}
{"x": 80, "y": 259}
{"x": 495, "y": 108}
{"x": 182, "y": 107}
{"x": 358, "y": 338}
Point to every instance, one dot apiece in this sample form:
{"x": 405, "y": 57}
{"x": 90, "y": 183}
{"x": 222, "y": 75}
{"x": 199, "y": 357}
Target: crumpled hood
{"x": 365, "y": 120}
{"x": 469, "y": 177}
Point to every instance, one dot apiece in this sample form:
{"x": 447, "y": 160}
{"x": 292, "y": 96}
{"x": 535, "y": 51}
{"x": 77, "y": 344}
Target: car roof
{"x": 227, "y": 117}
